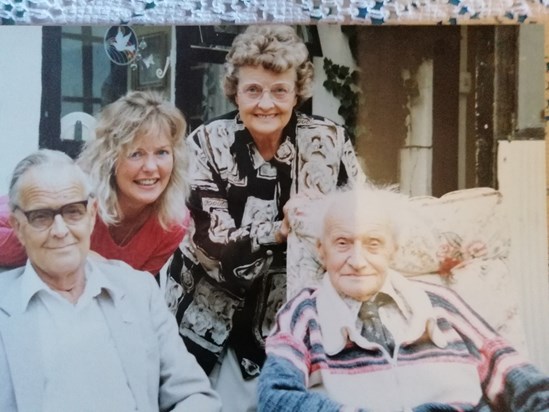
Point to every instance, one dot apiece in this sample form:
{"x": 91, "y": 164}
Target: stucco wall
{"x": 20, "y": 91}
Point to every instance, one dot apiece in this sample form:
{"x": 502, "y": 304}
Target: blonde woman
{"x": 137, "y": 164}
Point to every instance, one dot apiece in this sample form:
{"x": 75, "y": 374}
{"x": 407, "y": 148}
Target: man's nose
{"x": 358, "y": 258}
{"x": 59, "y": 227}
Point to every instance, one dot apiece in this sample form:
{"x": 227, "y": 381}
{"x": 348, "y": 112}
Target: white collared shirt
{"x": 408, "y": 319}
{"x": 82, "y": 368}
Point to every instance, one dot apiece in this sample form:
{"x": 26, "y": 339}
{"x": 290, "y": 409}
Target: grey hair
{"x": 119, "y": 124}
{"x": 274, "y": 47}
{"x": 44, "y": 158}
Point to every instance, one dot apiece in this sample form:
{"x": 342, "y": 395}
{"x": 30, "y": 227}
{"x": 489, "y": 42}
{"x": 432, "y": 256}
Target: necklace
{"x": 123, "y": 232}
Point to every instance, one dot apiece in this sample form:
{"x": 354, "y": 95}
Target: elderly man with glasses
{"x": 78, "y": 333}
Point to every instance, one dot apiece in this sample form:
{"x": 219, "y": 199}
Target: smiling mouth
{"x": 266, "y": 116}
{"x": 61, "y": 246}
{"x": 147, "y": 182}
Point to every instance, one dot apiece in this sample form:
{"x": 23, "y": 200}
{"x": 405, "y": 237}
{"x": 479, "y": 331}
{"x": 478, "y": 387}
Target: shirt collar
{"x": 31, "y": 284}
{"x": 388, "y": 289}
{"x": 96, "y": 282}
{"x": 422, "y": 318}
{"x": 338, "y": 315}
{"x": 257, "y": 159}
{"x": 284, "y": 153}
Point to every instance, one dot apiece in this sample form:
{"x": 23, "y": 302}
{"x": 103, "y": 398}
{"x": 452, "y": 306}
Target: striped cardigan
{"x": 456, "y": 363}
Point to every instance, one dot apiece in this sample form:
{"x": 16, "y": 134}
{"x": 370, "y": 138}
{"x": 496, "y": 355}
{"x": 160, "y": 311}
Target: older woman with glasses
{"x": 245, "y": 166}
{"x": 137, "y": 164}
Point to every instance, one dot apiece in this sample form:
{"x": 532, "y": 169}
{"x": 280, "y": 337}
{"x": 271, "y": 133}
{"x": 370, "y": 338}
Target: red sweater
{"x": 149, "y": 249}
{"x": 12, "y": 253}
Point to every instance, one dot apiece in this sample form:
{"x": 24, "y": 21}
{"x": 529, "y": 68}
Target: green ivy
{"x": 343, "y": 82}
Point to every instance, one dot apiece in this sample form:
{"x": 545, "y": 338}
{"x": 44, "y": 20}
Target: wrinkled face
{"x": 143, "y": 171}
{"x": 60, "y": 249}
{"x": 265, "y": 100}
{"x": 356, "y": 248}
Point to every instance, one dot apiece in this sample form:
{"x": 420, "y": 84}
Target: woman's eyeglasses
{"x": 279, "y": 92}
{"x": 42, "y": 219}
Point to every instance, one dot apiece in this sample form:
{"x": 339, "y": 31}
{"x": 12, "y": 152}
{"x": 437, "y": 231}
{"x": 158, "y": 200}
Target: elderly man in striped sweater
{"x": 369, "y": 339}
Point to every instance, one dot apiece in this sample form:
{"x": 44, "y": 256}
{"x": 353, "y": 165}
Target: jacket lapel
{"x": 20, "y": 333}
{"x": 126, "y": 335}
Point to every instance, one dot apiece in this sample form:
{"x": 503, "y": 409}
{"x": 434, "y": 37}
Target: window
{"x": 77, "y": 76}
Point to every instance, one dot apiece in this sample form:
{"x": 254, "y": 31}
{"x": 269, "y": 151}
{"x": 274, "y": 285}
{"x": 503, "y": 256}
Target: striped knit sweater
{"x": 456, "y": 363}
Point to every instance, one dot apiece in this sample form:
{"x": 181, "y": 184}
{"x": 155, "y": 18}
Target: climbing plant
{"x": 343, "y": 83}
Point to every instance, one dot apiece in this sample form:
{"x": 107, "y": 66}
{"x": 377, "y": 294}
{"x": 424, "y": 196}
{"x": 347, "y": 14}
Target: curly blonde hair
{"x": 276, "y": 48}
{"x": 119, "y": 124}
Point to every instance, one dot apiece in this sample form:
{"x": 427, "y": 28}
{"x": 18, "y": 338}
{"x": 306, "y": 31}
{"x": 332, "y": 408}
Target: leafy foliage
{"x": 343, "y": 83}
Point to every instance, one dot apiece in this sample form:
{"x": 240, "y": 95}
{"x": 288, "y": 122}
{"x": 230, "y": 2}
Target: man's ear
{"x": 320, "y": 251}
{"x": 93, "y": 212}
{"x": 16, "y": 226}
{"x": 394, "y": 248}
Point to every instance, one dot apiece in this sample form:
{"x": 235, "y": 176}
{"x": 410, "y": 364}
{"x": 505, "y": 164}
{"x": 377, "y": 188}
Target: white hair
{"x": 395, "y": 207}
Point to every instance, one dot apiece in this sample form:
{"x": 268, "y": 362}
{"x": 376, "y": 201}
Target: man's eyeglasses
{"x": 279, "y": 92}
{"x": 42, "y": 219}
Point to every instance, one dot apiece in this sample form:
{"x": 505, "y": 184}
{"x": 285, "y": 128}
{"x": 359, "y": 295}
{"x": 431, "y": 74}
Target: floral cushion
{"x": 467, "y": 224}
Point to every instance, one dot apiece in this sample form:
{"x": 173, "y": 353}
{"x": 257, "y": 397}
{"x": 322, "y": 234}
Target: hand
{"x": 294, "y": 213}
{"x": 282, "y": 234}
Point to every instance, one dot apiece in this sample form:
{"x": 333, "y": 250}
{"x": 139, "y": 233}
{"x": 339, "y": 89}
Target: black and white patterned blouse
{"x": 231, "y": 271}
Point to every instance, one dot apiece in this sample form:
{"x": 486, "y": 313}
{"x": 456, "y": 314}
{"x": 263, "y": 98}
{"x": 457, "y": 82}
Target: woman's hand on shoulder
{"x": 282, "y": 233}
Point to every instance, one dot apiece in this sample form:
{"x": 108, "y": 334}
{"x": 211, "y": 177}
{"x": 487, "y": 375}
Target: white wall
{"x": 521, "y": 176}
{"x": 335, "y": 46}
{"x": 20, "y": 93}
{"x": 416, "y": 156}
